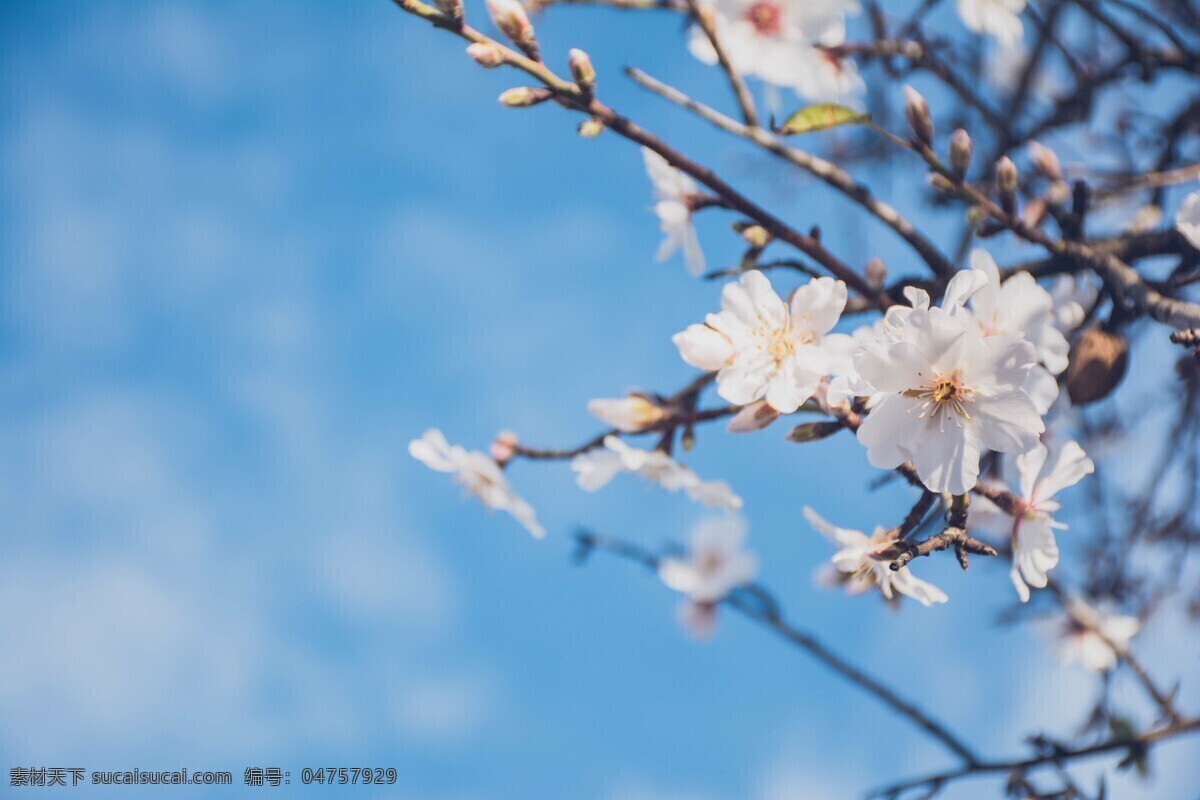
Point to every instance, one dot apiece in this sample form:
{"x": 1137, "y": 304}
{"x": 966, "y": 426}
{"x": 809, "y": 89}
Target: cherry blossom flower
{"x": 762, "y": 347}
{"x": 630, "y": 414}
{"x": 596, "y": 468}
{"x": 1020, "y": 305}
{"x": 714, "y": 566}
{"x": 477, "y": 473}
{"x": 864, "y": 563}
{"x": 946, "y": 391}
{"x": 1087, "y": 636}
{"x": 1043, "y": 474}
{"x": 774, "y": 41}
{"x": 998, "y": 18}
{"x": 1187, "y": 219}
{"x": 675, "y": 192}
{"x": 1072, "y": 297}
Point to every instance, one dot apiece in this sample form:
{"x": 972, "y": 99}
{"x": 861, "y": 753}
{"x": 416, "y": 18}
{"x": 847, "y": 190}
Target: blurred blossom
{"x": 596, "y": 468}
{"x": 1187, "y": 219}
{"x": 1084, "y": 635}
{"x": 774, "y": 40}
{"x": 998, "y": 18}
{"x": 674, "y": 191}
{"x": 477, "y": 473}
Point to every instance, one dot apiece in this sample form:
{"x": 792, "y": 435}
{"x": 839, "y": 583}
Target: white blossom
{"x": 774, "y": 41}
{"x": 1020, "y": 305}
{"x": 763, "y": 347}
{"x": 596, "y": 468}
{"x": 1072, "y": 297}
{"x": 1081, "y": 639}
{"x": 945, "y": 392}
{"x": 629, "y": 414}
{"x": 864, "y": 562}
{"x": 674, "y": 192}
{"x": 1187, "y": 219}
{"x": 477, "y": 473}
{"x": 715, "y": 563}
{"x": 1042, "y": 473}
{"x": 998, "y": 18}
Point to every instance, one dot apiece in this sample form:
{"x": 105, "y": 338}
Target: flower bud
{"x": 525, "y": 96}
{"x": 940, "y": 182}
{"x": 632, "y": 414}
{"x": 756, "y": 236}
{"x": 917, "y": 112}
{"x": 504, "y": 447}
{"x": 813, "y": 431}
{"x": 513, "y": 21}
{"x": 487, "y": 56}
{"x": 960, "y": 153}
{"x": 1045, "y": 161}
{"x": 590, "y": 128}
{"x": 1034, "y": 213}
{"x": 452, "y": 9}
{"x": 876, "y": 272}
{"x": 1006, "y": 183}
{"x": 753, "y": 417}
{"x": 582, "y": 70}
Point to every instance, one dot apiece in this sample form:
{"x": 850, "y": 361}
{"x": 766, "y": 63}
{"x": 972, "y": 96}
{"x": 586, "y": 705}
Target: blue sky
{"x": 249, "y": 251}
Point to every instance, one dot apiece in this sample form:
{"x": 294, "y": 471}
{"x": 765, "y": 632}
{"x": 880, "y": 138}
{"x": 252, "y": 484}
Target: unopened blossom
{"x": 782, "y": 41}
{"x": 1187, "y": 219}
{"x": 753, "y": 417}
{"x": 1087, "y": 636}
{"x": 864, "y": 562}
{"x": 630, "y": 414}
{"x": 596, "y": 468}
{"x": 946, "y": 393}
{"x": 1042, "y": 473}
{"x": 674, "y": 192}
{"x": 998, "y": 18}
{"x": 477, "y": 473}
{"x": 763, "y": 347}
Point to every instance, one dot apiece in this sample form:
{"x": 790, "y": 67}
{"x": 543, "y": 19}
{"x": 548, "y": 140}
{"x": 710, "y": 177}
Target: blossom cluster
{"x": 936, "y": 391}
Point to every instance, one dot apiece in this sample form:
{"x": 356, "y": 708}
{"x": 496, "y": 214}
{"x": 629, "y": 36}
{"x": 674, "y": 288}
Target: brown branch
{"x": 759, "y": 605}
{"x": 704, "y": 19}
{"x": 571, "y": 96}
{"x": 1055, "y": 755}
{"x": 830, "y": 173}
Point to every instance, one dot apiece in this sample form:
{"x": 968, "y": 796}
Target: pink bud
{"x": 916, "y": 110}
{"x": 753, "y": 417}
{"x": 504, "y": 447}
{"x": 1045, "y": 161}
{"x": 582, "y": 70}
{"x": 960, "y": 152}
{"x": 513, "y": 21}
{"x": 876, "y": 272}
{"x": 485, "y": 55}
{"x": 524, "y": 96}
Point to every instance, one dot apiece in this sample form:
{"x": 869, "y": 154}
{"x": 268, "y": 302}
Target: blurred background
{"x": 250, "y": 250}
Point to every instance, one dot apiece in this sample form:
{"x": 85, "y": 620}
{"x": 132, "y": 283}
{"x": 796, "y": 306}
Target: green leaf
{"x": 821, "y": 117}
